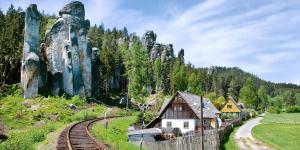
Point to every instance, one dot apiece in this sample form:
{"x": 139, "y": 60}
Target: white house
{"x": 183, "y": 111}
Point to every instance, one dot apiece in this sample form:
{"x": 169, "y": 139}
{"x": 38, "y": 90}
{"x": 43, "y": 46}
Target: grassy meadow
{"x": 116, "y": 133}
{"x": 27, "y": 122}
{"x": 280, "y": 131}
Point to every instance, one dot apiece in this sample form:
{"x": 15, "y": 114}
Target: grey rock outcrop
{"x": 149, "y": 39}
{"x": 155, "y": 52}
{"x": 167, "y": 53}
{"x": 133, "y": 37}
{"x": 181, "y": 54}
{"x": 31, "y": 62}
{"x": 68, "y": 54}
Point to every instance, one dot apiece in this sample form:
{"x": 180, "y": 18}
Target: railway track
{"x": 78, "y": 137}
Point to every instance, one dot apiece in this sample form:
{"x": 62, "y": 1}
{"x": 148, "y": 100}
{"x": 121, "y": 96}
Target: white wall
{"x": 178, "y": 123}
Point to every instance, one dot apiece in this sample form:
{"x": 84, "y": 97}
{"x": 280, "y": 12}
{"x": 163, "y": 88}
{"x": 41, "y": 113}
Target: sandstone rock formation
{"x": 155, "y": 52}
{"x": 64, "y": 61}
{"x": 167, "y": 53}
{"x": 68, "y": 54}
{"x": 31, "y": 62}
{"x": 149, "y": 40}
{"x": 181, "y": 54}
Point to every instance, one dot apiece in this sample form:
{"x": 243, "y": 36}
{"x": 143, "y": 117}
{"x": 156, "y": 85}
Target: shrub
{"x": 26, "y": 140}
{"x": 246, "y": 113}
{"x": 77, "y": 101}
{"x": 148, "y": 117}
{"x": 16, "y": 141}
{"x": 275, "y": 110}
{"x": 293, "y": 109}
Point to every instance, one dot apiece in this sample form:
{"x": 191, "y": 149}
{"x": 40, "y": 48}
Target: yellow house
{"x": 231, "y": 109}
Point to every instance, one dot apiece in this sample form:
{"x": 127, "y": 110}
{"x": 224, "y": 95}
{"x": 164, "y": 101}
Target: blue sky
{"x": 259, "y": 36}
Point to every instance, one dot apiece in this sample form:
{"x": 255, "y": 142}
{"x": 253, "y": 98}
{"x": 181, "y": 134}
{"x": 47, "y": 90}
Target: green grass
{"x": 231, "y": 144}
{"x": 228, "y": 142}
{"x": 280, "y": 131}
{"x": 20, "y": 115}
{"x": 116, "y": 133}
{"x": 284, "y": 118}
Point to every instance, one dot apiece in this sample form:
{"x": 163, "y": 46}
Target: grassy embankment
{"x": 28, "y": 121}
{"x": 280, "y": 131}
{"x": 116, "y": 133}
{"x": 228, "y": 142}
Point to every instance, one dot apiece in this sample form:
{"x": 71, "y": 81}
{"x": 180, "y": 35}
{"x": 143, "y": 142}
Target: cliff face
{"x": 65, "y": 55}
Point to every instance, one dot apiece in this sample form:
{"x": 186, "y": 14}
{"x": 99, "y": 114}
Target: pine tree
{"x": 234, "y": 88}
{"x": 248, "y": 94}
{"x": 137, "y": 63}
{"x": 289, "y": 98}
{"x": 194, "y": 83}
{"x": 178, "y": 77}
{"x": 157, "y": 74}
{"x": 107, "y": 61}
{"x": 263, "y": 97}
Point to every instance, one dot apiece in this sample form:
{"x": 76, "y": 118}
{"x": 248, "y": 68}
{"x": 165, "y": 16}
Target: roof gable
{"x": 234, "y": 106}
{"x": 193, "y": 101}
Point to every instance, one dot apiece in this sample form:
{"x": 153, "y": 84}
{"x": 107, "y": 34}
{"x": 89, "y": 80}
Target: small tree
{"x": 248, "y": 94}
{"x": 263, "y": 97}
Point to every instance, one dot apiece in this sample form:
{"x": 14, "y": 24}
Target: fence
{"x": 190, "y": 142}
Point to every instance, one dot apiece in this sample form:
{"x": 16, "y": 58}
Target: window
{"x": 177, "y": 108}
{"x": 169, "y": 124}
{"x": 229, "y": 106}
{"x": 186, "y": 125}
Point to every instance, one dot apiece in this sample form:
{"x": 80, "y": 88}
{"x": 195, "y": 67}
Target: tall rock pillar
{"x": 31, "y": 62}
{"x": 68, "y": 53}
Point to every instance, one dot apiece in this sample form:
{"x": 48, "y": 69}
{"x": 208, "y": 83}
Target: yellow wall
{"x": 234, "y": 108}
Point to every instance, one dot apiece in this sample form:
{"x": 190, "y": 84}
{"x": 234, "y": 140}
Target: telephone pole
{"x": 202, "y": 123}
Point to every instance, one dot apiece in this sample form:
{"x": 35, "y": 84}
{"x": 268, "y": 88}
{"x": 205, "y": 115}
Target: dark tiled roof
{"x": 209, "y": 110}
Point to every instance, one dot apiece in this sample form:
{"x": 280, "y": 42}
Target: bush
{"x": 246, "y": 113}
{"x": 276, "y": 110}
{"x": 26, "y": 140}
{"x": 293, "y": 109}
{"x": 13, "y": 89}
{"x": 148, "y": 117}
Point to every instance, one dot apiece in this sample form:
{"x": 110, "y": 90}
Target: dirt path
{"x": 244, "y": 138}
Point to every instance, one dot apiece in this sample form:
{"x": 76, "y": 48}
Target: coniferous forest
{"x": 128, "y": 69}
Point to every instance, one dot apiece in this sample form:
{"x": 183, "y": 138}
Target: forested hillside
{"x": 127, "y": 65}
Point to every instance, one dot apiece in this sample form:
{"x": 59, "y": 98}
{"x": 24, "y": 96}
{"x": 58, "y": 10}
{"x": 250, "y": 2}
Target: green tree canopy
{"x": 248, "y": 94}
